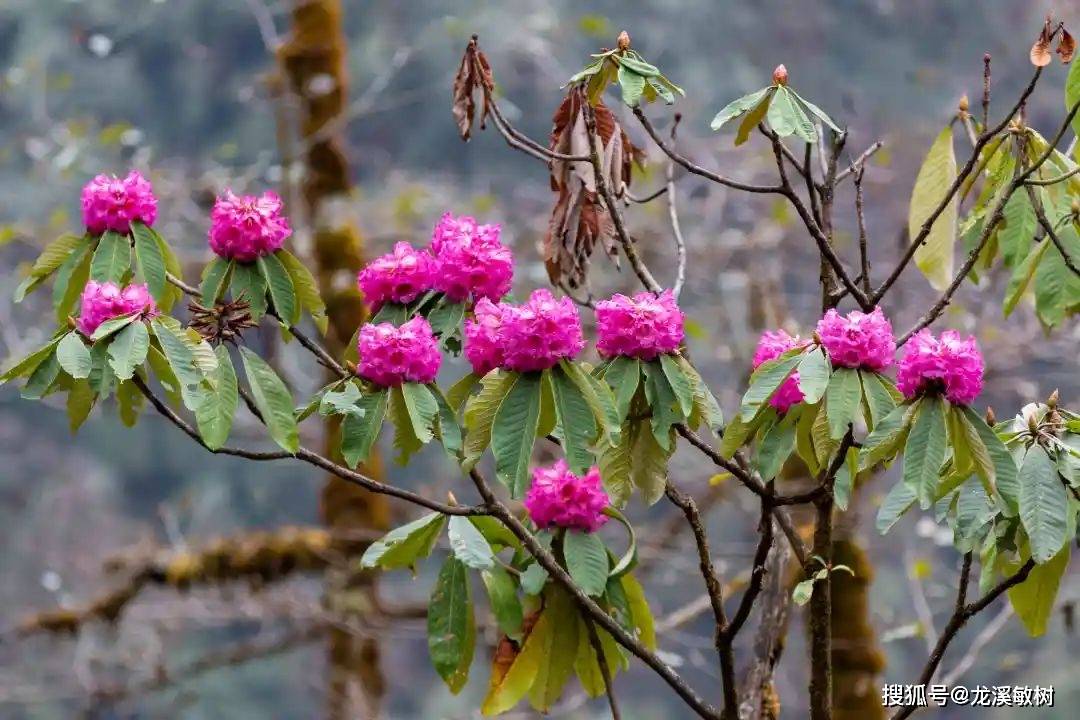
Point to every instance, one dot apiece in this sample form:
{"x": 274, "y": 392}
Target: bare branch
{"x": 673, "y": 214}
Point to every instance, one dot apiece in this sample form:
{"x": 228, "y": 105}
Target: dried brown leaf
{"x": 1040, "y": 53}
{"x": 1066, "y": 46}
{"x": 473, "y": 74}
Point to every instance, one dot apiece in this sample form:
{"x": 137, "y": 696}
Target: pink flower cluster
{"x": 949, "y": 364}
{"x": 858, "y": 339}
{"x": 532, "y": 336}
{"x": 244, "y": 228}
{"x": 398, "y": 277}
{"x": 560, "y": 498}
{"x": 643, "y": 326}
{"x": 109, "y": 203}
{"x": 773, "y": 344}
{"x": 472, "y": 262}
{"x": 104, "y": 301}
{"x": 390, "y": 356}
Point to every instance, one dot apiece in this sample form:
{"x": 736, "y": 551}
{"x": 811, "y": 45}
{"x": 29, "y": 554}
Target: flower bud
{"x": 1052, "y": 401}
{"x": 964, "y": 104}
{"x": 623, "y": 42}
{"x": 779, "y": 75}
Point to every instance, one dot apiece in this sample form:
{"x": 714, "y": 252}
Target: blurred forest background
{"x": 191, "y": 90}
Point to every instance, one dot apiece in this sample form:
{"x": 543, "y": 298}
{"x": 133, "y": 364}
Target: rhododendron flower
{"x": 951, "y": 364}
{"x": 858, "y": 339}
{"x": 390, "y": 356}
{"x": 109, "y": 203}
{"x": 560, "y": 498}
{"x": 471, "y": 260}
{"x": 400, "y": 276}
{"x": 104, "y": 301}
{"x": 643, "y": 326}
{"x": 773, "y": 344}
{"x": 244, "y": 228}
{"x": 483, "y": 336}
{"x": 540, "y": 333}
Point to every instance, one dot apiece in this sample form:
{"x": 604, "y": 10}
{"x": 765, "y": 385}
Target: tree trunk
{"x": 313, "y": 60}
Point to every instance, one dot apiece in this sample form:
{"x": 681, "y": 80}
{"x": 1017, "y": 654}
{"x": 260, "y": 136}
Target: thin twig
{"x": 673, "y": 214}
{"x": 859, "y": 161}
{"x": 860, "y": 217}
{"x": 605, "y": 671}
{"x": 1040, "y": 213}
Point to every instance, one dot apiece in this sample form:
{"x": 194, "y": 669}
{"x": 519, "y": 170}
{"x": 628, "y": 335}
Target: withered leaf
{"x": 579, "y": 218}
{"x": 1066, "y": 46}
{"x": 473, "y": 74}
{"x": 1040, "y": 53}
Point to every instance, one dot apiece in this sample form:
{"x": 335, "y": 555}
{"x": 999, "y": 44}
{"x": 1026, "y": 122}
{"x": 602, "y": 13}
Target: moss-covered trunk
{"x": 313, "y": 60}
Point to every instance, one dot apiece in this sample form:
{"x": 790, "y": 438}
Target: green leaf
{"x": 215, "y": 278}
{"x": 679, "y": 382}
{"x": 887, "y": 437}
{"x": 786, "y": 117}
{"x": 248, "y": 284}
{"x": 405, "y": 439}
{"x": 764, "y": 383}
{"x": 814, "y": 371}
{"x": 215, "y": 413}
{"x": 662, "y": 404}
{"x": 599, "y": 397}
{"x": 639, "y": 609}
{"x": 307, "y": 291}
{"x": 128, "y": 349}
{"x": 842, "y": 400}
{"x": 844, "y": 482}
{"x": 272, "y": 399}
{"x": 359, "y": 431}
{"x": 480, "y": 413}
{"x": 575, "y": 419}
{"x": 172, "y": 267}
{"x": 447, "y": 429}
{"x": 451, "y": 626}
{"x": 1072, "y": 94}
{"x": 422, "y": 409}
{"x": 775, "y": 447}
{"x": 755, "y": 115}
{"x": 180, "y": 357}
{"x": 112, "y": 326}
{"x": 55, "y": 254}
{"x": 151, "y": 261}
{"x": 80, "y": 401}
{"x": 737, "y": 107}
{"x": 633, "y": 62}
{"x": 74, "y": 356}
{"x": 738, "y": 432}
{"x": 28, "y": 363}
{"x": 705, "y": 406}
{"x": 129, "y": 401}
{"x": 623, "y": 374}
{"x": 557, "y": 662}
{"x": 281, "y": 288}
{"x": 814, "y": 109}
{"x": 502, "y": 594}
{"x": 513, "y": 433}
{"x": 533, "y": 579}
{"x": 1015, "y": 236}
{"x": 42, "y": 378}
{"x": 648, "y": 463}
{"x": 632, "y": 85}
{"x": 70, "y": 280}
{"x": 1033, "y": 599}
{"x": 511, "y": 683}
{"x": 879, "y": 395}
{"x": 402, "y": 547}
{"x": 1022, "y": 275}
{"x": 460, "y": 391}
{"x": 1044, "y": 504}
{"x": 925, "y": 450}
{"x": 468, "y": 545}
{"x": 446, "y": 318}
{"x": 585, "y": 662}
{"x": 586, "y": 561}
{"x": 111, "y": 259}
{"x": 1057, "y": 288}
{"x": 935, "y": 257}
{"x": 1001, "y": 469}
{"x": 101, "y": 377}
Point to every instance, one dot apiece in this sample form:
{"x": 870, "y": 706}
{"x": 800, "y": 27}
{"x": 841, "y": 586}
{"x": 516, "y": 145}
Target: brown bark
{"x": 313, "y": 60}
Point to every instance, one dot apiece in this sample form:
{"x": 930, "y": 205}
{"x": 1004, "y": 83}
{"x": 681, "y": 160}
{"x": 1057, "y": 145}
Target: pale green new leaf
{"x": 737, "y": 107}
{"x": 403, "y": 546}
{"x": 1044, "y": 504}
{"x": 1072, "y": 94}
{"x": 1022, "y": 276}
{"x": 755, "y": 115}
{"x": 128, "y": 349}
{"x": 935, "y": 256}
{"x": 786, "y": 117}
{"x": 1033, "y": 599}
{"x": 468, "y": 545}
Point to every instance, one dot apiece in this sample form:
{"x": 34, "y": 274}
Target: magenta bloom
{"x": 109, "y": 203}
{"x": 472, "y": 262}
{"x": 950, "y": 364}
{"x": 244, "y": 228}
{"x": 540, "y": 333}
{"x": 390, "y": 356}
{"x": 643, "y": 326}
{"x": 399, "y": 277}
{"x": 560, "y": 498}
{"x": 773, "y": 344}
{"x": 483, "y": 336}
{"x": 858, "y": 339}
{"x": 104, "y": 301}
